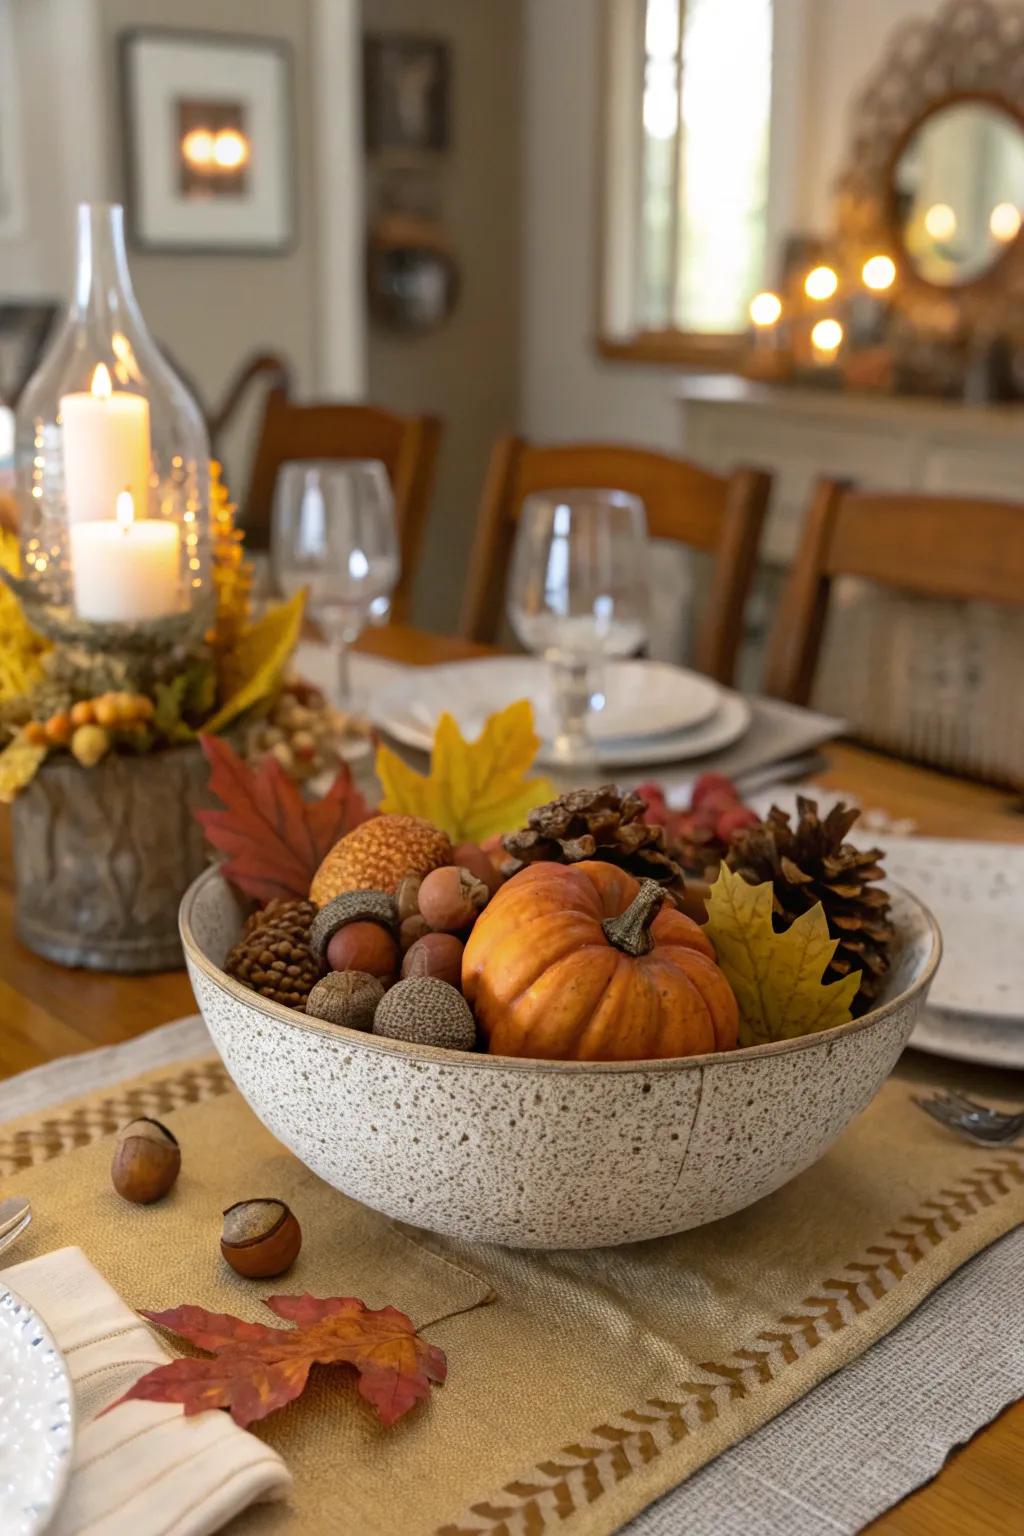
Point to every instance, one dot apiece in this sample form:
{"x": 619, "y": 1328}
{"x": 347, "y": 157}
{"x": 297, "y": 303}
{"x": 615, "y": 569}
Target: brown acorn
{"x": 436, "y": 954}
{"x": 413, "y": 928}
{"x": 364, "y": 947}
{"x": 260, "y": 1238}
{"x": 451, "y": 899}
{"x": 472, "y": 857}
{"x": 147, "y": 1160}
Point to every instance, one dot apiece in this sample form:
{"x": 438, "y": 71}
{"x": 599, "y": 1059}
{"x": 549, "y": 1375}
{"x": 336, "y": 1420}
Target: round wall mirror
{"x": 958, "y": 191}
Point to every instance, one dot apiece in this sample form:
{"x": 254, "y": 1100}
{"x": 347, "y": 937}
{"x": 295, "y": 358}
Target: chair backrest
{"x": 931, "y": 546}
{"x": 718, "y": 514}
{"x": 407, "y": 446}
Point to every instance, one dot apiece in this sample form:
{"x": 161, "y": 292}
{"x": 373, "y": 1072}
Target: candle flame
{"x": 101, "y": 387}
{"x": 124, "y": 509}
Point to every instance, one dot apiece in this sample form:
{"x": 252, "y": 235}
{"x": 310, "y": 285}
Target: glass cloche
{"x": 112, "y": 463}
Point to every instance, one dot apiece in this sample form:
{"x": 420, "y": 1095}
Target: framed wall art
{"x": 208, "y": 141}
{"x": 406, "y": 93}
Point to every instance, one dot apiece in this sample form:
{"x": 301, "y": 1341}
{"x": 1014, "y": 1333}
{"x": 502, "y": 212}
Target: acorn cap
{"x": 349, "y": 998}
{"x": 351, "y": 907}
{"x": 426, "y": 1011}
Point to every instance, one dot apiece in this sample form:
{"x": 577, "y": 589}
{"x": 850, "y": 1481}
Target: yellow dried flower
{"x": 232, "y": 573}
{"x": 21, "y": 649}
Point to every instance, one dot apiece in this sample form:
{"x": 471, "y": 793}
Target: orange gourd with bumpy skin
{"x": 582, "y": 962}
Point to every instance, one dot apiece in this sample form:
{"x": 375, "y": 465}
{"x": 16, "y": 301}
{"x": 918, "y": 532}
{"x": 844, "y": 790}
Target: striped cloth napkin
{"x": 145, "y": 1470}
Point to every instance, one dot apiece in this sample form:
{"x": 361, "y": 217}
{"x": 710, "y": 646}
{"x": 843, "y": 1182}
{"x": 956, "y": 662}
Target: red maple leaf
{"x": 256, "y": 1369}
{"x": 274, "y": 838}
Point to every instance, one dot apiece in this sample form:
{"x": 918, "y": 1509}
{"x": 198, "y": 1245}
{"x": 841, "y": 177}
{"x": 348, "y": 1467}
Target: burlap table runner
{"x": 592, "y": 1382}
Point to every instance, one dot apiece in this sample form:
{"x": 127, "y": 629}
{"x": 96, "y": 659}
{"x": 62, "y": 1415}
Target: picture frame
{"x": 407, "y": 93}
{"x": 209, "y": 142}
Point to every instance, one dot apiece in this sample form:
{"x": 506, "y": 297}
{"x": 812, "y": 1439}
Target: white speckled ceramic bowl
{"x": 546, "y": 1154}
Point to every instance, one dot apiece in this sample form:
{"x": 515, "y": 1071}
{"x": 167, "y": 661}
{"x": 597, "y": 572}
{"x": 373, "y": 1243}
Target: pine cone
{"x": 273, "y": 956}
{"x": 605, "y": 824}
{"x": 811, "y": 862}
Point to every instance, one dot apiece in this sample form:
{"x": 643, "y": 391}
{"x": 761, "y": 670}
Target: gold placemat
{"x": 594, "y": 1381}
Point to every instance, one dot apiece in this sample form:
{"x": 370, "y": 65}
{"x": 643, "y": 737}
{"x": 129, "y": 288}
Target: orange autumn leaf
{"x": 274, "y": 838}
{"x": 256, "y": 1369}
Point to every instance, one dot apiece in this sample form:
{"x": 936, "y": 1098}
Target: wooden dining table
{"x": 47, "y": 1012}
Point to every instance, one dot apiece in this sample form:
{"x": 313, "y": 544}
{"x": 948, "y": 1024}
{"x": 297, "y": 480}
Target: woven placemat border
{"x": 581, "y": 1475}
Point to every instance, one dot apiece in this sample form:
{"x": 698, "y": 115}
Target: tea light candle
{"x": 106, "y": 447}
{"x": 826, "y": 338}
{"x": 125, "y": 570}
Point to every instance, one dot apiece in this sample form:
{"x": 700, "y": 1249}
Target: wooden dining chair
{"x": 932, "y": 546}
{"x": 406, "y": 445}
{"x": 719, "y": 514}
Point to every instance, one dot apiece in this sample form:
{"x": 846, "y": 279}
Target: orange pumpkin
{"x": 582, "y": 962}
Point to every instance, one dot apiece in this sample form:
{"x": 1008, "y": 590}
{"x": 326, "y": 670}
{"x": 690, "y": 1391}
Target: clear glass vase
{"x": 112, "y": 461}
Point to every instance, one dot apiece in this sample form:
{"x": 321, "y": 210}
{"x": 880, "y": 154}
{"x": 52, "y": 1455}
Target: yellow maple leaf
{"x": 257, "y": 662}
{"x": 475, "y": 789}
{"x": 776, "y": 976}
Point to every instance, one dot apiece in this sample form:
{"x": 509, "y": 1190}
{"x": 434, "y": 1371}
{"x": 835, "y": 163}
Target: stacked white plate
{"x": 650, "y": 712}
{"x": 976, "y": 891}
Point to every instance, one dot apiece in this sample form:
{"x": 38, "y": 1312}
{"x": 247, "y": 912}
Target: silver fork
{"x": 15, "y": 1215}
{"x": 978, "y": 1122}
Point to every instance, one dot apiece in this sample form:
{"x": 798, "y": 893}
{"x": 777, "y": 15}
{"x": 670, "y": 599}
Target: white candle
{"x": 125, "y": 571}
{"x": 106, "y": 448}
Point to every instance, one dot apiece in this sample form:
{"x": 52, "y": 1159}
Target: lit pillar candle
{"x": 106, "y": 448}
{"x": 125, "y": 571}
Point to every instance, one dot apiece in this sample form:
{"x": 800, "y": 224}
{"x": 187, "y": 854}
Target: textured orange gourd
{"x": 582, "y": 962}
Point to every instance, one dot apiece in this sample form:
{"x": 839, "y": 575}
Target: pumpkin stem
{"x": 631, "y": 930}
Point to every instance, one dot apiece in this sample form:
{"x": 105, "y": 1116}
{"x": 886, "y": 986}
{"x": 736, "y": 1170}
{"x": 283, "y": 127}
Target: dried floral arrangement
{"x": 75, "y": 696}
{"x": 424, "y": 923}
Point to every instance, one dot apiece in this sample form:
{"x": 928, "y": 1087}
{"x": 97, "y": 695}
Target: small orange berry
{"x": 58, "y": 728}
{"x": 35, "y": 733}
{"x": 84, "y": 712}
{"x": 106, "y": 710}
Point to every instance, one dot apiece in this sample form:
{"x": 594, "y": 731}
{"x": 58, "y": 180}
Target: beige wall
{"x": 468, "y": 370}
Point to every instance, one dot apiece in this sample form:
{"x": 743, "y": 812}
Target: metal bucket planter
{"x": 103, "y": 856}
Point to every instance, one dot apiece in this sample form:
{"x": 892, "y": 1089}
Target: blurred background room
{"x": 776, "y": 235}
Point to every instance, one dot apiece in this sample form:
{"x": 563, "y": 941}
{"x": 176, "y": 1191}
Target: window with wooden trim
{"x": 688, "y": 221}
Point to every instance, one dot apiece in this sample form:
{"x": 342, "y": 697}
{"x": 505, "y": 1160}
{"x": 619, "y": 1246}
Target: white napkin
{"x": 144, "y": 1470}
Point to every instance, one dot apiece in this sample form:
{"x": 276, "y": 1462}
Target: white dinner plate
{"x": 637, "y": 692}
{"x": 36, "y": 1420}
{"x": 412, "y": 704}
{"x": 641, "y": 698}
{"x": 976, "y": 891}
{"x": 986, "y": 1042}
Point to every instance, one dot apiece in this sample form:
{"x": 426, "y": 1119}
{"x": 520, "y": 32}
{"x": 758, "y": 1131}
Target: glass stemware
{"x": 334, "y": 533}
{"x": 577, "y": 595}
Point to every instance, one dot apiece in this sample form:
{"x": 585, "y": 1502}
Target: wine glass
{"x": 577, "y": 595}
{"x": 334, "y": 533}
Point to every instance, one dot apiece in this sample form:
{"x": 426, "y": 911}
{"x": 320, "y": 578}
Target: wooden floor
{"x": 47, "y": 1012}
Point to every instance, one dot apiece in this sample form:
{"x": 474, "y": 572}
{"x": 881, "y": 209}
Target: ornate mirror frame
{"x": 972, "y": 50}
